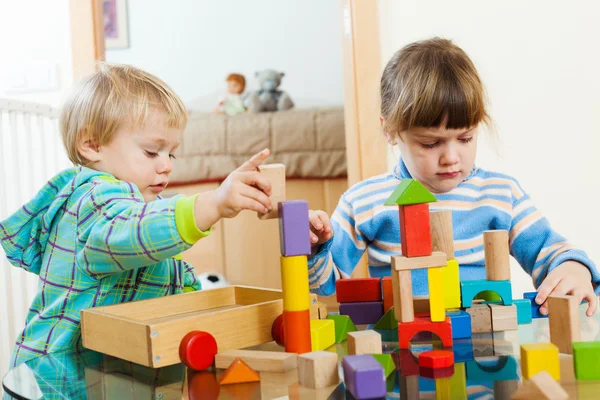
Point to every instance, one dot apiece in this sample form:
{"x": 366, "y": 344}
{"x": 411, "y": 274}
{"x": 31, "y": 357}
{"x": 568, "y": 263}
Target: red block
{"x": 277, "y": 330}
{"x": 436, "y": 359}
{"x": 436, "y": 373}
{"x": 415, "y": 230}
{"x": 296, "y": 328}
{"x": 406, "y": 362}
{"x": 406, "y": 330}
{"x": 354, "y": 290}
{"x": 388, "y": 293}
{"x": 197, "y": 350}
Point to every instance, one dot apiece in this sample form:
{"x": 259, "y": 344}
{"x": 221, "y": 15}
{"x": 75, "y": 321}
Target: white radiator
{"x": 31, "y": 152}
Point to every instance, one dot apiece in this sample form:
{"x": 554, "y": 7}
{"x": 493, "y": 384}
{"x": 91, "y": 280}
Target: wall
{"x": 539, "y": 61}
{"x": 195, "y": 44}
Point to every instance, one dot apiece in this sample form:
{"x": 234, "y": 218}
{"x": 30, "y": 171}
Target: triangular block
{"x": 410, "y": 191}
{"x": 541, "y": 386}
{"x": 343, "y": 325}
{"x": 388, "y": 321}
{"x": 239, "y": 372}
{"x": 387, "y": 362}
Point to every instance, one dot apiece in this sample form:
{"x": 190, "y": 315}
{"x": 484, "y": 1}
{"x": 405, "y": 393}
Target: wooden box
{"x": 148, "y": 332}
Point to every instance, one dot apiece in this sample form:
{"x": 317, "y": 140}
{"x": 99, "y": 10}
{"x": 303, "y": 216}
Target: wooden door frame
{"x": 87, "y": 36}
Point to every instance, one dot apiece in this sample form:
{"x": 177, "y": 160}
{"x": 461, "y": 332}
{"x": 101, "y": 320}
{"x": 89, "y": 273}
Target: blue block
{"x": 364, "y": 376}
{"x": 469, "y": 289}
{"x": 461, "y": 324}
{"x": 490, "y": 369}
{"x": 535, "y": 308}
{"x": 523, "y": 311}
{"x": 463, "y": 350}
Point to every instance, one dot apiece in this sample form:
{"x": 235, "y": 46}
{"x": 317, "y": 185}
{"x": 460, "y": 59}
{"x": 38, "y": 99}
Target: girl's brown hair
{"x": 430, "y": 83}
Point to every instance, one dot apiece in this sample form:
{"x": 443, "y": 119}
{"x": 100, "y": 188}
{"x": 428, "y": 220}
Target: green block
{"x": 586, "y": 357}
{"x": 386, "y": 362}
{"x": 343, "y": 325}
{"x": 523, "y": 311}
{"x": 489, "y": 296}
{"x": 410, "y": 191}
{"x": 388, "y": 321}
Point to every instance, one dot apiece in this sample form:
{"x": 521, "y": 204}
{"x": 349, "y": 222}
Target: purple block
{"x": 367, "y": 312}
{"x": 364, "y": 377}
{"x": 294, "y": 228}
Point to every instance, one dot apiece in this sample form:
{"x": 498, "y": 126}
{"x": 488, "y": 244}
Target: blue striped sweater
{"x": 484, "y": 201}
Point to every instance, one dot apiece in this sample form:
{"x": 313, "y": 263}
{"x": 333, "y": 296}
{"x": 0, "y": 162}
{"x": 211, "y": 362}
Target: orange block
{"x": 296, "y": 331}
{"x": 239, "y": 372}
{"x": 388, "y": 293}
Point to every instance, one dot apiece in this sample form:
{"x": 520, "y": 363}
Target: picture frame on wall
{"x": 116, "y": 34}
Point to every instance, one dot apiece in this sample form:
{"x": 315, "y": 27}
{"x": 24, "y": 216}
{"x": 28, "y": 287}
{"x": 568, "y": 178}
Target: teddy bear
{"x": 268, "y": 97}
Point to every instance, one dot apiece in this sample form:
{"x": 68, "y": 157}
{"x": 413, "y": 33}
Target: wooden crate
{"x": 148, "y": 332}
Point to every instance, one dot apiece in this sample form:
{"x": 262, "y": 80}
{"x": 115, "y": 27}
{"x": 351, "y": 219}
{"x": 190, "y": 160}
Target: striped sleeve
{"x": 338, "y": 257}
{"x": 190, "y": 279}
{"x": 536, "y": 246}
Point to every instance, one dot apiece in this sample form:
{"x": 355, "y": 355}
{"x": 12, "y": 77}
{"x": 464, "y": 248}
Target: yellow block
{"x": 453, "y": 388}
{"x": 538, "y": 357}
{"x": 294, "y": 283}
{"x": 436, "y": 294}
{"x": 451, "y": 285}
{"x": 322, "y": 334}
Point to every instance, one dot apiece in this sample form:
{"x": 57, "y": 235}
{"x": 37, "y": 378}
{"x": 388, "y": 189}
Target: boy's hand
{"x": 320, "y": 227}
{"x": 570, "y": 278}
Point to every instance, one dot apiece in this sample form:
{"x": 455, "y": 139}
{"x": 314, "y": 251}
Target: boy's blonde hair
{"x": 430, "y": 83}
{"x": 115, "y": 95}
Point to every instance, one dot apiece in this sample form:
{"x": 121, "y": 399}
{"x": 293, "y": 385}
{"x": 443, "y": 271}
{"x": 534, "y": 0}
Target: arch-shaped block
{"x": 406, "y": 330}
{"x": 470, "y": 289}
{"x": 502, "y": 369}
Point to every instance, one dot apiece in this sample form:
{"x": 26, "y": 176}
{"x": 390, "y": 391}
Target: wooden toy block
{"x": 538, "y": 357}
{"x": 296, "y": 331}
{"x": 463, "y": 350}
{"x": 535, "y": 308}
{"x": 435, "y": 276}
{"x": 409, "y": 386}
{"x": 505, "y": 389}
{"x": 318, "y": 369}
{"x": 386, "y": 362}
{"x": 461, "y": 324}
{"x": 541, "y": 386}
{"x": 239, "y": 372}
{"x": 406, "y": 362}
{"x": 586, "y": 359}
{"x": 481, "y": 318}
{"x": 322, "y": 310}
{"x": 406, "y": 330}
{"x": 267, "y": 361}
{"x": 504, "y": 318}
{"x": 155, "y": 327}
{"x": 563, "y": 314}
{"x": 471, "y": 288}
{"x": 523, "y": 311}
{"x": 363, "y": 313}
{"x": 451, "y": 277}
{"x": 442, "y": 237}
{"x": 354, "y": 290}
{"x": 343, "y": 325}
{"x": 387, "y": 289}
{"x": 277, "y": 330}
{"x": 496, "y": 249}
{"x": 421, "y": 304}
{"x": 364, "y": 342}
{"x": 415, "y": 232}
{"x": 294, "y": 282}
{"x": 364, "y": 376}
{"x": 436, "y": 259}
{"x": 436, "y": 373}
{"x": 314, "y": 306}
{"x": 294, "y": 228}
{"x": 197, "y": 350}
{"x": 436, "y": 359}
{"x": 275, "y": 173}
{"x": 485, "y": 369}
{"x": 322, "y": 334}
{"x": 410, "y": 191}
{"x": 455, "y": 387}
{"x": 402, "y": 296}
{"x": 388, "y": 321}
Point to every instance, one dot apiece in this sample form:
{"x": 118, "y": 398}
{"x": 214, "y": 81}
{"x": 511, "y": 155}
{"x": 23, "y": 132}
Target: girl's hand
{"x": 320, "y": 227}
{"x": 572, "y": 278}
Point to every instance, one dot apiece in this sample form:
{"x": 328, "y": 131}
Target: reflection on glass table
{"x": 486, "y": 366}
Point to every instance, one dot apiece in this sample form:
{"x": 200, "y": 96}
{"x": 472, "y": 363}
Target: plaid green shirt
{"x": 93, "y": 241}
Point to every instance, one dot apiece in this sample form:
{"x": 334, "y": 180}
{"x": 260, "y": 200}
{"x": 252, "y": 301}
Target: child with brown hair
{"x": 432, "y": 104}
{"x": 99, "y": 233}
{"x": 232, "y": 103}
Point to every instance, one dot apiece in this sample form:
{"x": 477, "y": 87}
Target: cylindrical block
{"x": 497, "y": 262}
{"x": 442, "y": 238}
{"x": 294, "y": 283}
{"x": 296, "y": 331}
